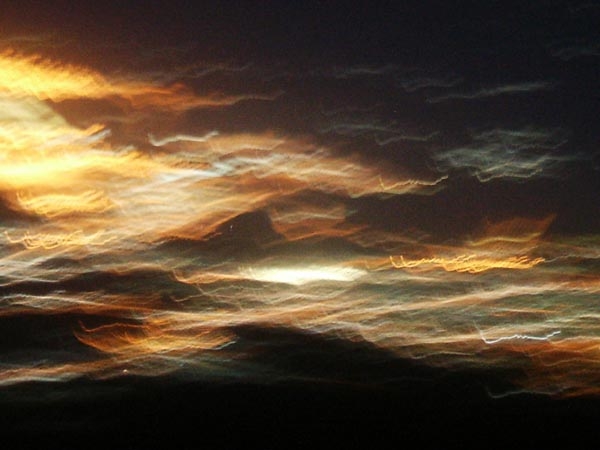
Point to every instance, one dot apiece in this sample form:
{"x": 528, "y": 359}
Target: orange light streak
{"x": 468, "y": 263}
{"x": 53, "y": 205}
{"x": 104, "y": 205}
{"x": 53, "y": 241}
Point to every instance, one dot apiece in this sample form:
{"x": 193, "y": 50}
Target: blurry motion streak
{"x": 507, "y": 89}
{"x": 468, "y": 263}
{"x": 52, "y": 205}
{"x": 304, "y": 275}
{"x": 501, "y": 153}
{"x": 55, "y": 240}
{"x": 33, "y": 76}
{"x": 519, "y": 336}
{"x": 174, "y": 238}
{"x": 156, "y": 337}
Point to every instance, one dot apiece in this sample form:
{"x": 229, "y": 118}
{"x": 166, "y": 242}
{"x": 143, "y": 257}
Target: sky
{"x": 324, "y": 193}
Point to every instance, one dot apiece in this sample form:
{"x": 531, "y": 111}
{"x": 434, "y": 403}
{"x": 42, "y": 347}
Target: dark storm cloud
{"x": 505, "y": 89}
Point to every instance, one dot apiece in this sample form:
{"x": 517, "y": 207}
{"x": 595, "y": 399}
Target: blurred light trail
{"x": 468, "y": 263}
{"x": 148, "y": 242}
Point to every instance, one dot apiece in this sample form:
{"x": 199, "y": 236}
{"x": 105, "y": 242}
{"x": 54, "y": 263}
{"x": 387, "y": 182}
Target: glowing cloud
{"x": 468, "y": 263}
{"x": 303, "y": 275}
{"x": 142, "y": 227}
{"x": 45, "y": 80}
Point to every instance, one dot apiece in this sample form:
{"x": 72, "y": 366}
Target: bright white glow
{"x": 519, "y": 336}
{"x": 302, "y": 275}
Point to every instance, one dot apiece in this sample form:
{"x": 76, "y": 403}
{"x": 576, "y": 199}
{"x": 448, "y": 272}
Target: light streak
{"x": 504, "y": 153}
{"x": 46, "y": 80}
{"x": 468, "y": 263}
{"x": 519, "y": 336}
{"x": 50, "y": 241}
{"x": 303, "y": 275}
{"x": 507, "y": 89}
{"x": 53, "y": 205}
{"x": 24, "y": 76}
{"x": 145, "y": 227}
{"x": 181, "y": 137}
{"x": 157, "y": 336}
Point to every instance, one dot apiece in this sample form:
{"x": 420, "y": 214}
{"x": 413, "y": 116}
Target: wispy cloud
{"x": 502, "y": 153}
{"x": 405, "y": 137}
{"x": 342, "y": 72}
{"x": 198, "y": 71}
{"x": 415, "y": 83}
{"x": 45, "y": 80}
{"x": 568, "y": 51}
{"x": 382, "y": 132}
{"x": 505, "y": 89}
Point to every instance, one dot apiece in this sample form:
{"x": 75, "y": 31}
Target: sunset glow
{"x": 178, "y": 234}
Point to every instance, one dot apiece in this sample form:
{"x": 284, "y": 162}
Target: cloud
{"x": 505, "y": 89}
{"x": 382, "y": 132}
{"x": 415, "y": 83}
{"x": 505, "y": 153}
{"x": 90, "y": 190}
{"x": 32, "y": 75}
{"x": 181, "y": 137}
{"x": 341, "y": 72}
{"x": 354, "y": 72}
{"x": 405, "y": 137}
{"x": 568, "y": 51}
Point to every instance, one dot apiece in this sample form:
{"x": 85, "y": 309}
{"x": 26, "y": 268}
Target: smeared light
{"x": 32, "y": 75}
{"x": 52, "y": 205}
{"x": 181, "y": 137}
{"x": 144, "y": 225}
{"x": 400, "y": 186}
{"x": 507, "y": 89}
{"x": 303, "y": 275}
{"x": 502, "y": 153}
{"x": 50, "y": 241}
{"x": 468, "y": 263}
{"x": 519, "y": 336}
{"x": 46, "y": 80}
{"x": 157, "y": 336}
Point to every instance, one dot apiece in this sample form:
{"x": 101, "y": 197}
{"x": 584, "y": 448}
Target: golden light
{"x": 303, "y": 275}
{"x": 137, "y": 217}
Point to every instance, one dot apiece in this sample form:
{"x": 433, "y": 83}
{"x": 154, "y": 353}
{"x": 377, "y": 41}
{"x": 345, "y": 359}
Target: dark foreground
{"x": 153, "y": 414}
{"x": 376, "y": 400}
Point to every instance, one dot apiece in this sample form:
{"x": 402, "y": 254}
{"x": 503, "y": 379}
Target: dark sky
{"x": 342, "y": 31}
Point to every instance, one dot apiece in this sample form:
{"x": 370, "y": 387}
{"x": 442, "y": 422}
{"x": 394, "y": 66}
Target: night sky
{"x": 323, "y": 222}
